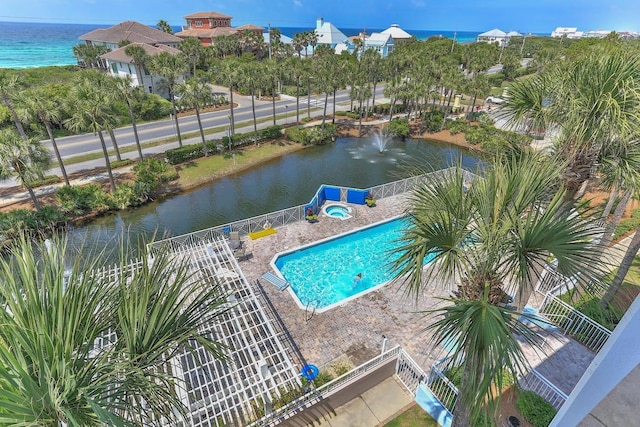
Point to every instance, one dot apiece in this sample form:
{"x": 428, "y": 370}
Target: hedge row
{"x": 194, "y": 151}
{"x": 313, "y": 135}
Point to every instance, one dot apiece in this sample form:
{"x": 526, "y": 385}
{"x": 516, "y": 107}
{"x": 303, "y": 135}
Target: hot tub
{"x": 336, "y": 210}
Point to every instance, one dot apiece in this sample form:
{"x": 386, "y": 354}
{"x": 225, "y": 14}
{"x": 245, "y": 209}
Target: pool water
{"x": 324, "y": 274}
{"x": 337, "y": 211}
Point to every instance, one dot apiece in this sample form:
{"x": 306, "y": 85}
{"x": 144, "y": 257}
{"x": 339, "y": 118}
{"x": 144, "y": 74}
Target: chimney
{"x": 319, "y": 23}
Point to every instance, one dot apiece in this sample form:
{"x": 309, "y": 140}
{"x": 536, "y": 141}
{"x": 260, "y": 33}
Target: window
{"x": 198, "y": 23}
{"x": 114, "y": 67}
{"x": 129, "y": 67}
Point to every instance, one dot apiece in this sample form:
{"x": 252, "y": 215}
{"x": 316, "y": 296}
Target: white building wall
{"x": 617, "y": 359}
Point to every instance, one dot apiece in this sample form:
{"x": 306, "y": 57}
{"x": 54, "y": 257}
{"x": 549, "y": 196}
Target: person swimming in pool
{"x": 357, "y": 279}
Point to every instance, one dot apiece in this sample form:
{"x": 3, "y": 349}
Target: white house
{"x": 328, "y": 34}
{"x": 383, "y": 44}
{"x": 397, "y": 34}
{"x": 119, "y": 64}
{"x": 568, "y": 32}
{"x": 494, "y": 36}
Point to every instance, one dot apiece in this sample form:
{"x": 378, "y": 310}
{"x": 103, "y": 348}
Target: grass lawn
{"x": 413, "y": 417}
{"x": 205, "y": 169}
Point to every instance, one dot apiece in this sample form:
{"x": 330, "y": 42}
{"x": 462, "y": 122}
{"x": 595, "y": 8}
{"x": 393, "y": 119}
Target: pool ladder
{"x": 310, "y": 310}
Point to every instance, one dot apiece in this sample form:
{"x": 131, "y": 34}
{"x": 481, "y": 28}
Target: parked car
{"x": 494, "y": 100}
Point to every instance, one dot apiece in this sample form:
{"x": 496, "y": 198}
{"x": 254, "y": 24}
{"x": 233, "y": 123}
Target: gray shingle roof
{"x": 132, "y": 31}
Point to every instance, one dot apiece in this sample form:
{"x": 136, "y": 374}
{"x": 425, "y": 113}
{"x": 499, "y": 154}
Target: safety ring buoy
{"x": 267, "y": 225}
{"x": 310, "y": 371}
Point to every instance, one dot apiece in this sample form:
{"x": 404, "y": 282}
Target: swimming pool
{"x": 324, "y": 274}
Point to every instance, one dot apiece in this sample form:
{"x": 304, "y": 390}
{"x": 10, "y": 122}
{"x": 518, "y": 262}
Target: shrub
{"x": 433, "y": 121}
{"x": 152, "y": 172}
{"x": 495, "y": 80}
{"x": 184, "y": 154}
{"x": 240, "y": 139}
{"x": 295, "y": 134}
{"x": 79, "y": 200}
{"x": 128, "y": 195}
{"x": 121, "y": 163}
{"x": 287, "y": 395}
{"x": 47, "y": 180}
{"x": 313, "y": 135}
{"x": 352, "y": 115}
{"x": 628, "y": 224}
{"x": 591, "y": 307}
{"x": 152, "y": 107}
{"x": 25, "y": 221}
{"x": 535, "y": 409}
{"x": 456, "y": 126}
{"x": 322, "y": 378}
{"x": 485, "y": 120}
{"x": 399, "y": 127}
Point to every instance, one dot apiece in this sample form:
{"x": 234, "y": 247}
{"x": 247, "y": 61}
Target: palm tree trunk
{"x": 612, "y": 198}
{"x": 324, "y": 113}
{"x": 175, "y": 117}
{"x": 375, "y": 84}
{"x": 333, "y": 119}
{"x": 615, "y": 219}
{"x": 255, "y": 122}
{"x": 106, "y": 160}
{"x": 47, "y": 126}
{"x": 298, "y": 101}
{"x": 135, "y": 130}
{"x": 273, "y": 103}
{"x": 232, "y": 124}
{"x": 34, "y": 199}
{"x": 625, "y": 265}
{"x": 201, "y": 130}
{"x": 115, "y": 145}
{"x": 360, "y": 119}
{"x": 309, "y": 99}
{"x": 15, "y": 118}
{"x": 392, "y": 105}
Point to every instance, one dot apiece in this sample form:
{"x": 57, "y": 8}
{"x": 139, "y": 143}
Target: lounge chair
{"x": 280, "y": 283}
{"x": 234, "y": 240}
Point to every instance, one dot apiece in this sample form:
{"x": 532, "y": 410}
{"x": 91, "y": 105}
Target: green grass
{"x": 415, "y": 416}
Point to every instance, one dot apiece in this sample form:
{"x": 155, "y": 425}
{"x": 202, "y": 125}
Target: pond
{"x": 283, "y": 182}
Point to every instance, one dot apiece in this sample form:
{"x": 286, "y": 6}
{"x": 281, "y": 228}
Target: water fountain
{"x": 381, "y": 138}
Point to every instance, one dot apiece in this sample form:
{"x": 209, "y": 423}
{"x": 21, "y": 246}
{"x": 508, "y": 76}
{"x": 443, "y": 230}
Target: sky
{"x": 527, "y": 16}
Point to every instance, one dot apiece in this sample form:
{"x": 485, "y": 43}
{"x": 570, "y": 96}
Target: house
{"x": 381, "y": 43}
{"x": 119, "y": 64}
{"x": 398, "y": 34}
{"x": 568, "y": 32}
{"x": 130, "y": 31}
{"x": 206, "y": 26}
{"x": 494, "y": 36}
{"x": 328, "y": 34}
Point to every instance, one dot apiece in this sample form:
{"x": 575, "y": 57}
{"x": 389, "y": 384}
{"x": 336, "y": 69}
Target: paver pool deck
{"x": 356, "y": 328}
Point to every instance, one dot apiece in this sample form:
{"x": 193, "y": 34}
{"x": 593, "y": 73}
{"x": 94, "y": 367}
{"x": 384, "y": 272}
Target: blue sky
{"x": 538, "y": 16}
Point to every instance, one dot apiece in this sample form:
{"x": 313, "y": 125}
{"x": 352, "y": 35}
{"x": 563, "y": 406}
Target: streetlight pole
{"x": 286, "y": 114}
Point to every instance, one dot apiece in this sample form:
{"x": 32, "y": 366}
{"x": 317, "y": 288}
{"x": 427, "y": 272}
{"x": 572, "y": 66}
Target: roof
{"x": 566, "y": 30}
{"x": 493, "y": 33}
{"x": 249, "y": 27}
{"x": 283, "y": 39}
{"x": 514, "y": 34}
{"x": 396, "y": 32}
{"x": 207, "y": 15}
{"x": 377, "y": 39}
{"x": 207, "y": 32}
{"x": 119, "y": 55}
{"x": 132, "y": 31}
{"x": 329, "y": 34}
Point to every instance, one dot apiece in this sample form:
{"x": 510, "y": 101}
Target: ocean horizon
{"x": 35, "y": 44}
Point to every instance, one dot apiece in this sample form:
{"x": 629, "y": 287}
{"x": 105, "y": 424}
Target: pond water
{"x": 284, "y": 182}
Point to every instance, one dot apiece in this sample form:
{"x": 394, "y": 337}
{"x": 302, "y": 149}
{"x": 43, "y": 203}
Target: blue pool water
{"x": 324, "y": 274}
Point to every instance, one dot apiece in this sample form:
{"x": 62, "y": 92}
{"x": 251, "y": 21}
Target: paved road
{"x": 165, "y": 129}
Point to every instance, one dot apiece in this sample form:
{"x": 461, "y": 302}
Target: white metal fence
{"x": 573, "y": 322}
{"x": 293, "y": 214}
{"x": 537, "y": 383}
{"x": 441, "y": 386}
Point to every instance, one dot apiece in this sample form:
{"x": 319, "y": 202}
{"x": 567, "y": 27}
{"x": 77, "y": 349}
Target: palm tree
{"x": 39, "y": 105}
{"x": 90, "y": 54}
{"x": 54, "y": 369}
{"x": 26, "y": 159}
{"x": 194, "y": 93}
{"x": 171, "y": 68}
{"x": 130, "y": 94}
{"x": 10, "y": 87}
{"x": 139, "y": 58}
{"x": 192, "y": 49}
{"x": 298, "y": 43}
{"x": 625, "y": 265}
{"x": 226, "y": 72}
{"x": 490, "y": 238}
{"x": 312, "y": 39}
{"x": 252, "y": 78}
{"x": 164, "y": 26}
{"x": 92, "y": 112}
{"x": 593, "y": 102}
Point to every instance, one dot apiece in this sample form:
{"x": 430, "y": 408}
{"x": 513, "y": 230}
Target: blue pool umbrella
{"x": 310, "y": 372}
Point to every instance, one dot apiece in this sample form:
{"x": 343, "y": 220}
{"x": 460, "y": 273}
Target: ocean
{"x": 27, "y": 44}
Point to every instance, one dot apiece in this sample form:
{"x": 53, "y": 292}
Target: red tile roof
{"x": 207, "y": 15}
{"x": 208, "y": 32}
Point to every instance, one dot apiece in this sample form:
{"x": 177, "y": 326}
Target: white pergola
{"x": 260, "y": 361}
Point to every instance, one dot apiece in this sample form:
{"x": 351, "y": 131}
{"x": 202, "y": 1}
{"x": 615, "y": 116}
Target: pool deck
{"x": 356, "y": 329}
